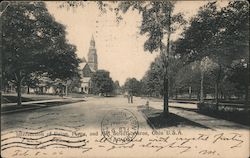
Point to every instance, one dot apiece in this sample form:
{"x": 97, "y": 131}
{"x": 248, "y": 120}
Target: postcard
{"x": 125, "y": 79}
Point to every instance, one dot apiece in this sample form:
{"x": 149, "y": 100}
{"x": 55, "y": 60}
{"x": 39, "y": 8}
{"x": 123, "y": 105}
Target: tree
{"x": 187, "y": 79}
{"x": 219, "y": 34}
{"x": 133, "y": 86}
{"x": 153, "y": 79}
{"x": 158, "y": 22}
{"x": 74, "y": 84}
{"x": 31, "y": 81}
{"x": 33, "y": 42}
{"x": 239, "y": 76}
{"x": 235, "y": 38}
{"x": 196, "y": 38}
{"x": 206, "y": 66}
{"x": 102, "y": 83}
{"x": 117, "y": 87}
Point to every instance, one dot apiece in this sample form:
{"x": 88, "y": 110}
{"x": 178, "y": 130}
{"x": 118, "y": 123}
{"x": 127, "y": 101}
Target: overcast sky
{"x": 119, "y": 46}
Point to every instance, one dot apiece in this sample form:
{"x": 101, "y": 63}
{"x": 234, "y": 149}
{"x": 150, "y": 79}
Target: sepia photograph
{"x": 125, "y": 79}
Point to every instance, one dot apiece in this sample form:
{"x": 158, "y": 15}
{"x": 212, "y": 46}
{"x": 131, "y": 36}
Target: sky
{"x": 119, "y": 46}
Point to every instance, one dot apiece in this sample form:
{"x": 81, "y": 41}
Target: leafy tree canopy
{"x": 33, "y": 42}
{"x": 102, "y": 82}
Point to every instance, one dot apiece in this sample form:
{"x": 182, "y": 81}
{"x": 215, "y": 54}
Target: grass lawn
{"x": 241, "y": 117}
{"x": 36, "y": 106}
{"x": 156, "y": 119}
{"x": 12, "y": 98}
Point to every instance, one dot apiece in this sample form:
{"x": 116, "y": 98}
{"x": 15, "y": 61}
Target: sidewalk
{"x": 32, "y": 105}
{"x": 35, "y": 102}
{"x": 186, "y": 111}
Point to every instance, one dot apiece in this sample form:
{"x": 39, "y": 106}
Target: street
{"x": 89, "y": 114}
{"x": 59, "y": 130}
{"x": 81, "y": 115}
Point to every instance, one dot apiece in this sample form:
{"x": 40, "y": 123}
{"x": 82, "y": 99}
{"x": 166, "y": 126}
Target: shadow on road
{"x": 156, "y": 119}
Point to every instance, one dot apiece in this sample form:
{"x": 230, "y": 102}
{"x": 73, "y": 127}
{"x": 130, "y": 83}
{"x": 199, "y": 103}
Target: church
{"x": 87, "y": 68}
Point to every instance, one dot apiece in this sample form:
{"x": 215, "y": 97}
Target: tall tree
{"x": 221, "y": 35}
{"x": 196, "y": 38}
{"x": 234, "y": 38}
{"x": 158, "y": 23}
{"x": 33, "y": 42}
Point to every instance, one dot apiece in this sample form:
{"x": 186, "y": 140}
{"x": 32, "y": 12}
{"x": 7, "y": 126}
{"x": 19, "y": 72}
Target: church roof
{"x": 82, "y": 65}
{"x": 86, "y": 71}
{"x": 86, "y": 66}
{"x": 92, "y": 69}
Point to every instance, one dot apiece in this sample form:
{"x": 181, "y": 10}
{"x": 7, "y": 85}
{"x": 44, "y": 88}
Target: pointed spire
{"x": 92, "y": 42}
{"x": 92, "y": 38}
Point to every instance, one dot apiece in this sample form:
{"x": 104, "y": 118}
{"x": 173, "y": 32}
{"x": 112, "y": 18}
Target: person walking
{"x": 127, "y": 95}
{"x": 131, "y": 98}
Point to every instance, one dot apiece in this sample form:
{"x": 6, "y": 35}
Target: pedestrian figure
{"x": 131, "y": 97}
{"x": 128, "y": 97}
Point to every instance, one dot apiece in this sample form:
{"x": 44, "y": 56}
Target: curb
{"x": 146, "y": 118}
{"x": 33, "y": 108}
{"x": 20, "y": 110}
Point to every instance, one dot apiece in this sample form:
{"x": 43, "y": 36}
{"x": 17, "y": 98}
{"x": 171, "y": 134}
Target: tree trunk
{"x": 246, "y": 94}
{"x": 19, "y": 94}
{"x": 28, "y": 90}
{"x": 190, "y": 92}
{"x": 247, "y": 84}
{"x": 165, "y": 93}
{"x": 165, "y": 81}
{"x": 217, "y": 86}
{"x": 66, "y": 90}
{"x": 176, "y": 94}
{"x": 170, "y": 88}
{"x": 216, "y": 92}
{"x": 198, "y": 96}
{"x": 202, "y": 87}
{"x": 221, "y": 95}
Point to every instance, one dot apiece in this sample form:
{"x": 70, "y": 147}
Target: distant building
{"x": 88, "y": 67}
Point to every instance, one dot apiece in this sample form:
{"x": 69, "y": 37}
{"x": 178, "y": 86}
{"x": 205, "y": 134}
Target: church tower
{"x": 92, "y": 56}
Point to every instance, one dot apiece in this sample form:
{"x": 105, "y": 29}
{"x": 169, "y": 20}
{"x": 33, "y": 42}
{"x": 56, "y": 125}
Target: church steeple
{"x": 92, "y": 42}
{"x": 92, "y": 56}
